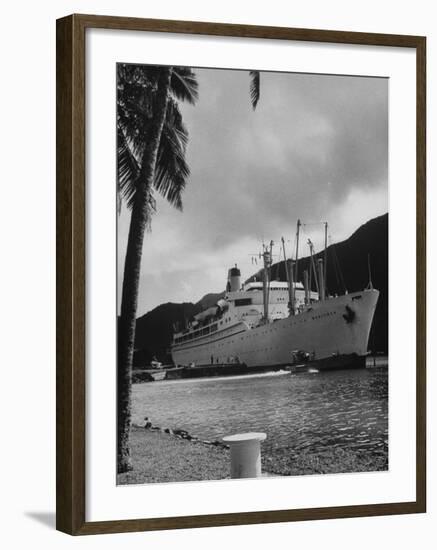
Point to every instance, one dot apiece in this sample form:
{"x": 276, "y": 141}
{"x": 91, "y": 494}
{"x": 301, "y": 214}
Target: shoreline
{"x": 141, "y": 376}
{"x": 163, "y": 455}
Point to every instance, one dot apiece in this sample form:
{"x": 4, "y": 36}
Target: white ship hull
{"x": 327, "y": 330}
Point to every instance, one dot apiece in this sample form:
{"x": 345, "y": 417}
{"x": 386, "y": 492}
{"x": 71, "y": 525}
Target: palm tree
{"x": 151, "y": 156}
{"x": 255, "y": 88}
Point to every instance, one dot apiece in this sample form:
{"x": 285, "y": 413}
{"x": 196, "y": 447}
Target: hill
{"x": 155, "y": 329}
{"x": 347, "y": 269}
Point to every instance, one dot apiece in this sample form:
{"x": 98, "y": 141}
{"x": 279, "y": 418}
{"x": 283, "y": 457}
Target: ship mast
{"x": 289, "y": 274}
{"x": 325, "y": 256}
{"x": 269, "y": 274}
{"x": 312, "y": 266}
{"x": 321, "y": 280}
{"x": 306, "y": 287}
{"x": 296, "y": 272}
{"x": 267, "y": 257}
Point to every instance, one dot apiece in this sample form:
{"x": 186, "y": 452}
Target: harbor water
{"x": 305, "y": 413}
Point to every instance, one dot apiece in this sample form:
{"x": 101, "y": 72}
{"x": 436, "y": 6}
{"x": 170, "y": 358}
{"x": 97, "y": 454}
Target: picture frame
{"x": 71, "y": 204}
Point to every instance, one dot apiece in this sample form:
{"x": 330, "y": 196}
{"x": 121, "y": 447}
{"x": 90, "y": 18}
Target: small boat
{"x": 148, "y": 375}
{"x": 157, "y": 375}
{"x": 156, "y": 371}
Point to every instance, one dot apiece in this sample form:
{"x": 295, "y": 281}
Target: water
{"x": 299, "y": 413}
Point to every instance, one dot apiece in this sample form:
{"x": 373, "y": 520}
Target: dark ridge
{"x": 155, "y": 328}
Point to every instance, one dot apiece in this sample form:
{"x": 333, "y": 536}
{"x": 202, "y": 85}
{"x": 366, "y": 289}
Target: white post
{"x": 245, "y": 454}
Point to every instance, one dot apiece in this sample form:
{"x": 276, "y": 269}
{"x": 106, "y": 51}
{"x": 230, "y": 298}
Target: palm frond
{"x": 172, "y": 171}
{"x": 136, "y": 99}
{"x": 128, "y": 172}
{"x": 254, "y": 88}
{"x": 139, "y": 75}
{"x": 184, "y": 85}
{"x": 127, "y": 169}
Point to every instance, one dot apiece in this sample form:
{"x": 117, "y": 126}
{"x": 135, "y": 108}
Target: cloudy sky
{"x": 316, "y": 148}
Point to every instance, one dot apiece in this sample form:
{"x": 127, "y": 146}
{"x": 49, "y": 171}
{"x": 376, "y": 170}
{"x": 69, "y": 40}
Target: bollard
{"x": 245, "y": 454}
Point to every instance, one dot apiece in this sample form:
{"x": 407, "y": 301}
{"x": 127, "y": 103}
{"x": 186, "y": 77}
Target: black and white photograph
{"x": 218, "y": 275}
{"x": 252, "y": 274}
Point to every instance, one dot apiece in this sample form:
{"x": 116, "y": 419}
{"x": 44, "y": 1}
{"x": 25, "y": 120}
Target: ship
{"x": 271, "y": 323}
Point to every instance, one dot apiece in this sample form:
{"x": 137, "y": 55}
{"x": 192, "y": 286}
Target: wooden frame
{"x": 70, "y": 204}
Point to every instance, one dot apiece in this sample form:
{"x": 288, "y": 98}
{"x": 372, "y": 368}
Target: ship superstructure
{"x": 270, "y": 322}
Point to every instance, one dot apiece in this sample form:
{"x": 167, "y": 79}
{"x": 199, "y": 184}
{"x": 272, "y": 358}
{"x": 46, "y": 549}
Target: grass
{"x": 158, "y": 457}
{"x": 161, "y": 457}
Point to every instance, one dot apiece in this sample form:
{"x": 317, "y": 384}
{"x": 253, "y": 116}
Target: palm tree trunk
{"x": 132, "y": 268}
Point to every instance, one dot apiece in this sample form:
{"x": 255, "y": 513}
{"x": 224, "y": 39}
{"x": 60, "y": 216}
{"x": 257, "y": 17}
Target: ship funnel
{"x": 321, "y": 280}
{"x": 234, "y": 276}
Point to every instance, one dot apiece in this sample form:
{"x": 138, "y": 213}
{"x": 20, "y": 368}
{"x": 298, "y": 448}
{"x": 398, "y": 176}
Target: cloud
{"x": 316, "y": 148}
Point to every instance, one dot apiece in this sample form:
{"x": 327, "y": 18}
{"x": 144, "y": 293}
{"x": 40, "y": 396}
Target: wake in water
{"x": 223, "y": 378}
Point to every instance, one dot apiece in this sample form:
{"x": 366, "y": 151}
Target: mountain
{"x": 155, "y": 329}
{"x": 348, "y": 268}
